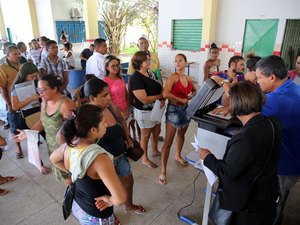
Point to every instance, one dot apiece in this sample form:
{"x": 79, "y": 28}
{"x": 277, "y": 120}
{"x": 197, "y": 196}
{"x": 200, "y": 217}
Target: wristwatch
{"x": 224, "y": 81}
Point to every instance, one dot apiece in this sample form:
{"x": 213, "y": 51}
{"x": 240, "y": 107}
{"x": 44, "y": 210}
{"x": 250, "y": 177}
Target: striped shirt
{"x": 51, "y": 68}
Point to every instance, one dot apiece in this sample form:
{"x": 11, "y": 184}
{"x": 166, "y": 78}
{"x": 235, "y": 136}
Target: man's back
{"x": 284, "y": 103}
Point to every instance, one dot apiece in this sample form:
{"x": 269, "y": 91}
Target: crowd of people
{"x": 87, "y": 135}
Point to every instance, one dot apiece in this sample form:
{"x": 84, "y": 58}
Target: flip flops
{"x": 44, "y": 170}
{"x": 3, "y": 192}
{"x": 19, "y": 155}
{"x": 4, "y": 180}
{"x": 162, "y": 179}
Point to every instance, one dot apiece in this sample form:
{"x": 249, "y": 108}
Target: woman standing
{"x": 117, "y": 85}
{"x": 179, "y": 89}
{"x": 211, "y": 66}
{"x": 28, "y": 72}
{"x": 55, "y": 108}
{"x": 145, "y": 92}
{"x": 91, "y": 167}
{"x": 116, "y": 137}
{"x": 248, "y": 184}
{"x": 295, "y": 74}
{"x": 68, "y": 56}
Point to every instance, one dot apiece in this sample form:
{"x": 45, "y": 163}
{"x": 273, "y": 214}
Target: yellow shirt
{"x": 154, "y": 64}
{"x": 8, "y": 75}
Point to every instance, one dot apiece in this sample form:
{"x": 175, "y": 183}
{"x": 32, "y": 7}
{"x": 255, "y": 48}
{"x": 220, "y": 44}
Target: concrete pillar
{"x": 33, "y": 16}
{"x": 3, "y": 34}
{"x": 91, "y": 19}
{"x": 209, "y": 20}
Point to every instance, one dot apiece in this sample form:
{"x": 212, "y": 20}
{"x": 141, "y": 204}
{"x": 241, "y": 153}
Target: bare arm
{"x": 58, "y": 159}
{"x": 65, "y": 80}
{"x": 16, "y": 104}
{"x": 205, "y": 69}
{"x": 144, "y": 98}
{"x": 105, "y": 169}
{"x": 81, "y": 56}
{"x": 67, "y": 107}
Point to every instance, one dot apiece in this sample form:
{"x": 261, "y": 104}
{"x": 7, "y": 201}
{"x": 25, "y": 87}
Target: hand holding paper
{"x": 211, "y": 177}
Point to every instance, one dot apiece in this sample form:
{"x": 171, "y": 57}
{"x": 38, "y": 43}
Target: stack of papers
{"x": 211, "y": 177}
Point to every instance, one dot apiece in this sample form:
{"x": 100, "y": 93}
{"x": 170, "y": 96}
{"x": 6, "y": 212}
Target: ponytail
{"x": 69, "y": 131}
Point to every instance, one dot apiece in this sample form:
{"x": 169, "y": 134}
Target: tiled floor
{"x": 35, "y": 199}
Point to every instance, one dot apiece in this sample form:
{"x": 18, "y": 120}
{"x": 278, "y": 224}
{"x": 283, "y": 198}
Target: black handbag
{"x": 135, "y": 152}
{"x": 68, "y": 200}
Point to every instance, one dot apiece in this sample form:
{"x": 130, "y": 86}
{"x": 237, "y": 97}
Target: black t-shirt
{"x": 86, "y": 53}
{"x": 137, "y": 82}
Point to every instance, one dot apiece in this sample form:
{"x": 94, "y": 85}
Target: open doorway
{"x": 291, "y": 42}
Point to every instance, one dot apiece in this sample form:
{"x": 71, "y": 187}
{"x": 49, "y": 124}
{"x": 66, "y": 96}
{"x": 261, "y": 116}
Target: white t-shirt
{"x": 95, "y": 65}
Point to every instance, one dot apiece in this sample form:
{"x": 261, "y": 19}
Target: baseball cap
{"x": 143, "y": 36}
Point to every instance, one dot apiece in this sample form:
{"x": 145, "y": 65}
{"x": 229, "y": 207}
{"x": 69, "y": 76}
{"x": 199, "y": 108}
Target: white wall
{"x": 45, "y": 18}
{"x": 177, "y": 9}
{"x": 232, "y": 15}
{"x": 16, "y": 16}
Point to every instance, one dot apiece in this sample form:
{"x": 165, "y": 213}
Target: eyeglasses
{"x": 42, "y": 90}
{"x": 117, "y": 66}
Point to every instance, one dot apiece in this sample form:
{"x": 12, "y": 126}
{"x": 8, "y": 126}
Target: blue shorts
{"x": 176, "y": 116}
{"x": 122, "y": 166}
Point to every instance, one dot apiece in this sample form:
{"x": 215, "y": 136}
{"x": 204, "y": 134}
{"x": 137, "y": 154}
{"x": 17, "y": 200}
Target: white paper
{"x": 210, "y": 176}
{"x": 33, "y": 148}
{"x": 157, "y": 112}
{"x": 24, "y": 91}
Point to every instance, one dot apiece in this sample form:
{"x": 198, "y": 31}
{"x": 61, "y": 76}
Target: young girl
{"x": 68, "y": 57}
{"x": 211, "y": 66}
{"x": 179, "y": 89}
{"x": 91, "y": 167}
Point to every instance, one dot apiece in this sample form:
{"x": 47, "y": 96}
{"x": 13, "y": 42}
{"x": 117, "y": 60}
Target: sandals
{"x": 162, "y": 179}
{"x": 19, "y": 155}
{"x": 139, "y": 210}
{"x": 44, "y": 170}
{"x": 4, "y": 180}
{"x": 3, "y": 192}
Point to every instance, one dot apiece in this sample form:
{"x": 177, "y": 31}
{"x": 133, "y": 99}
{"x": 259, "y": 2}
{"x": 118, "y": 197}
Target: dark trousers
{"x": 262, "y": 214}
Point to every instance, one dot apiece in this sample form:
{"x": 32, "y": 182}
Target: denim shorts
{"x": 122, "y": 166}
{"x": 14, "y": 119}
{"x": 142, "y": 117}
{"x": 176, "y": 116}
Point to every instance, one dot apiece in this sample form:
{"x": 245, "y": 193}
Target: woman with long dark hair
{"x": 91, "y": 167}
{"x": 116, "y": 137}
{"x": 28, "y": 73}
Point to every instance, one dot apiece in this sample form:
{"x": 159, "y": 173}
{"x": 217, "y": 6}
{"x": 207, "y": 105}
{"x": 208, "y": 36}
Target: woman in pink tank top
{"x": 117, "y": 85}
{"x": 179, "y": 89}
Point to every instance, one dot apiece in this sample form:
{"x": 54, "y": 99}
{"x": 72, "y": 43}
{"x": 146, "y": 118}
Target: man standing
{"x": 143, "y": 45}
{"x": 283, "y": 100}
{"x": 8, "y": 73}
{"x": 54, "y": 65}
{"x": 85, "y": 55}
{"x": 95, "y": 64}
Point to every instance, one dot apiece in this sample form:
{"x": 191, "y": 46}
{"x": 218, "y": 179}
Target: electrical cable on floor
{"x": 182, "y": 217}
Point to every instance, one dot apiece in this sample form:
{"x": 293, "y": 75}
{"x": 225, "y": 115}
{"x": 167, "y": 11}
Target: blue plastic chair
{"x": 76, "y": 78}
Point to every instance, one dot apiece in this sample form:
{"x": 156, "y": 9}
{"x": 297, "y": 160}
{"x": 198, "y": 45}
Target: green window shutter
{"x": 260, "y": 36}
{"x": 187, "y": 34}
